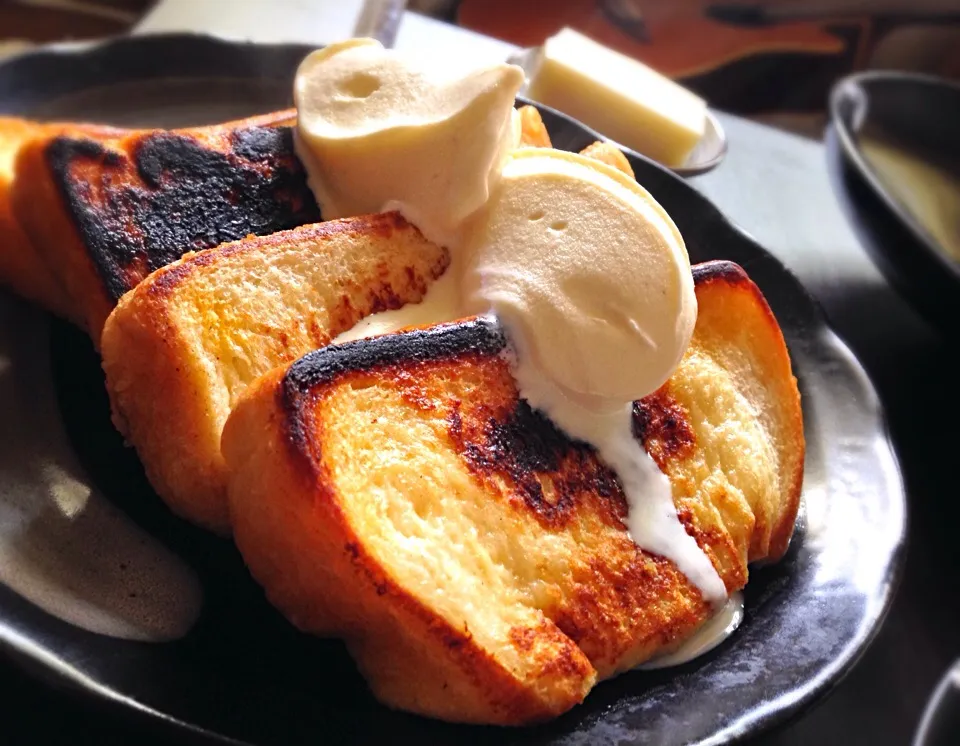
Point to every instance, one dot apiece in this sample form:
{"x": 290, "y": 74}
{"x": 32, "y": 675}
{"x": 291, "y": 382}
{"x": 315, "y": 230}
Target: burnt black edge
{"x": 840, "y": 94}
{"x": 60, "y": 154}
{"x": 718, "y": 269}
{"x": 482, "y": 336}
{"x": 257, "y": 186}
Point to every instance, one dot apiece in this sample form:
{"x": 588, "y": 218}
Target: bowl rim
{"x": 841, "y": 91}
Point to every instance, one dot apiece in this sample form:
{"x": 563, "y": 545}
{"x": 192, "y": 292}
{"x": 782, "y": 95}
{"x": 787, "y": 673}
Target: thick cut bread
{"x": 180, "y": 348}
{"x": 21, "y": 268}
{"x": 104, "y": 212}
{"x": 395, "y": 492}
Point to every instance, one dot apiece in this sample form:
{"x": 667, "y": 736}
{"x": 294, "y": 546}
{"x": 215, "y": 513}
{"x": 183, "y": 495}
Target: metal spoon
{"x": 380, "y": 20}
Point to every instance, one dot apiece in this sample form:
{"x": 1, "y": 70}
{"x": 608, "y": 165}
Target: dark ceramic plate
{"x": 921, "y": 114}
{"x": 86, "y": 535}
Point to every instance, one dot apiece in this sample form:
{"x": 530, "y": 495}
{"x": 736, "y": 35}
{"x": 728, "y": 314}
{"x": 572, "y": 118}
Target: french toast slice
{"x": 104, "y": 212}
{"x": 396, "y": 492}
{"x": 21, "y": 267}
{"x": 181, "y": 347}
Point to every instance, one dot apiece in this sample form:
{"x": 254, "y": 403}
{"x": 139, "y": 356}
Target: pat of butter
{"x": 617, "y": 96}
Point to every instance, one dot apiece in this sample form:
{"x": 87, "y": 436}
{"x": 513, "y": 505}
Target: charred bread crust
{"x": 103, "y": 208}
{"x": 184, "y": 197}
{"x": 22, "y": 267}
{"x": 264, "y": 301}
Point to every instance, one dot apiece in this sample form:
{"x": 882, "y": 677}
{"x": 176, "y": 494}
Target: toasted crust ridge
{"x": 104, "y": 210}
{"x": 783, "y": 393}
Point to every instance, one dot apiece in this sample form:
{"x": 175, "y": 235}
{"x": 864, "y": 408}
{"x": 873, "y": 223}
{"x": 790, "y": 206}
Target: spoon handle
{"x": 380, "y": 20}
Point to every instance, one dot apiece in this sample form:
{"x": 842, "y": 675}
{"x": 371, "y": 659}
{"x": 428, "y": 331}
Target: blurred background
{"x": 772, "y": 60}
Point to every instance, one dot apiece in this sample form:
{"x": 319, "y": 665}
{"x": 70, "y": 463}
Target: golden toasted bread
{"x": 609, "y": 154}
{"x": 533, "y": 132}
{"x": 396, "y": 493}
{"x": 21, "y": 267}
{"x": 104, "y": 212}
{"x": 181, "y": 347}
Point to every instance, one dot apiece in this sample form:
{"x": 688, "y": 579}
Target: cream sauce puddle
{"x": 713, "y": 632}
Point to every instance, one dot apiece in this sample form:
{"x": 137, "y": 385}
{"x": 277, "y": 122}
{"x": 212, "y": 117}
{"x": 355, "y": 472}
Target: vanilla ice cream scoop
{"x": 379, "y": 131}
{"x": 585, "y": 270}
{"x": 588, "y": 270}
